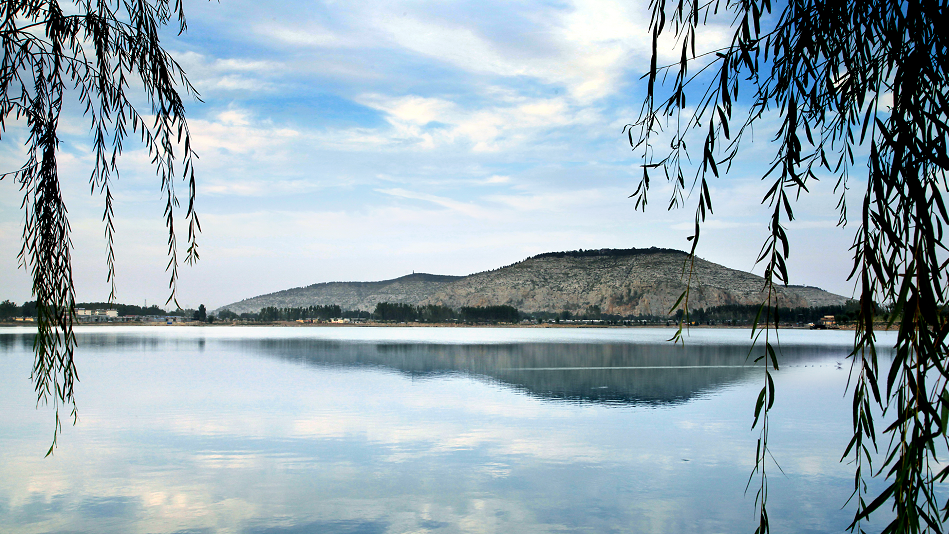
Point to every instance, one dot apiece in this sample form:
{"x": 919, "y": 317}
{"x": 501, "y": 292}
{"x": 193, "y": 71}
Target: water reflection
{"x": 337, "y": 527}
{"x": 633, "y": 373}
{"x": 624, "y": 374}
{"x": 282, "y": 431}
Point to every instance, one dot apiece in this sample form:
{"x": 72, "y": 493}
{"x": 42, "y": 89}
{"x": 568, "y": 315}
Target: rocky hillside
{"x": 816, "y": 296}
{"x": 621, "y": 282}
{"x": 411, "y": 289}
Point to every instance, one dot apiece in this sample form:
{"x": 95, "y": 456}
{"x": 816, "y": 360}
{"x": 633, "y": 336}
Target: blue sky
{"x": 364, "y": 140}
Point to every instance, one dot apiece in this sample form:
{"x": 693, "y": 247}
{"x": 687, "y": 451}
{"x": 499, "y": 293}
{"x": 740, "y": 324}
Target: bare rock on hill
{"x": 618, "y": 281}
{"x": 409, "y": 289}
{"x": 816, "y": 296}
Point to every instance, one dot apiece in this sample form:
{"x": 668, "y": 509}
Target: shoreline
{"x": 294, "y": 324}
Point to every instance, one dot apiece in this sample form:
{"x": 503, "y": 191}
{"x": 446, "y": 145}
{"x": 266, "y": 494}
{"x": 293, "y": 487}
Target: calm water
{"x": 442, "y": 430}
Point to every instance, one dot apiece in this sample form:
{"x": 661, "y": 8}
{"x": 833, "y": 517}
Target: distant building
{"x": 96, "y": 316}
{"x": 167, "y": 319}
{"x": 112, "y": 316}
{"x": 100, "y": 313}
{"x": 825, "y": 322}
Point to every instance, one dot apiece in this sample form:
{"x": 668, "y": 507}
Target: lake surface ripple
{"x": 445, "y": 430}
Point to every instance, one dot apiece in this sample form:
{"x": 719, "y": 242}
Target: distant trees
{"x": 431, "y": 313}
{"x": 126, "y": 309}
{"x": 399, "y": 312}
{"x": 743, "y": 314}
{"x": 395, "y": 311}
{"x": 738, "y": 314}
{"x": 272, "y": 313}
{"x": 606, "y": 253}
{"x": 490, "y": 314}
{"x": 269, "y": 314}
{"x": 8, "y": 310}
{"x": 746, "y": 314}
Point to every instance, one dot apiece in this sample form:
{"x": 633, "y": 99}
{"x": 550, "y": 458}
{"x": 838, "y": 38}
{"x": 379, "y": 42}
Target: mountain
{"x": 621, "y": 282}
{"x": 411, "y": 288}
{"x": 618, "y": 281}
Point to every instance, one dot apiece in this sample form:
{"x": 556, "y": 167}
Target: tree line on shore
{"x": 388, "y": 312}
{"x": 431, "y": 313}
{"x": 9, "y": 309}
{"x": 395, "y": 312}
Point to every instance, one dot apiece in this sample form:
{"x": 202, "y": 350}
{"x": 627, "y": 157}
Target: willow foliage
{"x": 100, "y": 51}
{"x": 842, "y": 79}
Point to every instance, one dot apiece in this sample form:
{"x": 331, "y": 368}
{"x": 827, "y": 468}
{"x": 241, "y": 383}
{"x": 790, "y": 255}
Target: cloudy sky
{"x": 366, "y": 140}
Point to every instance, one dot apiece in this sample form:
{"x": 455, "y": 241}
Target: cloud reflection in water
{"x": 300, "y": 433}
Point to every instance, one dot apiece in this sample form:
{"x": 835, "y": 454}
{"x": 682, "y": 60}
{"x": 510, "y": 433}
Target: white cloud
{"x": 467, "y": 208}
{"x": 584, "y": 47}
{"x": 450, "y": 42}
{"x": 418, "y": 110}
{"x": 207, "y": 73}
{"x": 557, "y": 201}
{"x": 234, "y": 132}
{"x": 711, "y": 224}
{"x": 496, "y": 127}
{"x": 585, "y": 51}
{"x": 312, "y": 35}
{"x": 808, "y": 225}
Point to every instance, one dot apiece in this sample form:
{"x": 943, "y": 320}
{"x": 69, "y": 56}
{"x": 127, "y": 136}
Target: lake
{"x": 445, "y": 430}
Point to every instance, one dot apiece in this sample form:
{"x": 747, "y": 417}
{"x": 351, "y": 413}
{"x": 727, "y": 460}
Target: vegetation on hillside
{"x": 606, "y": 252}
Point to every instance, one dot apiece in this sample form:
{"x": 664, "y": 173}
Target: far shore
{"x": 371, "y": 324}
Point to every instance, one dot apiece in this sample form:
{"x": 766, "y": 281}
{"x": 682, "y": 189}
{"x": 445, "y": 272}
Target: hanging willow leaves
{"x": 842, "y": 78}
{"x": 96, "y": 50}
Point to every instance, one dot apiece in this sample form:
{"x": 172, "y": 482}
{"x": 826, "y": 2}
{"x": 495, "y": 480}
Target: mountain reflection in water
{"x": 633, "y": 374}
{"x": 254, "y": 430}
{"x": 621, "y": 374}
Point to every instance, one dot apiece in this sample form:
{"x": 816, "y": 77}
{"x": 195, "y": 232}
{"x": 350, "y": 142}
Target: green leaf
{"x": 772, "y": 355}
{"x": 759, "y": 404}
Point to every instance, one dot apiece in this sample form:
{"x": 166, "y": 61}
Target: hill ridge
{"x": 643, "y": 281}
{"x": 607, "y": 252}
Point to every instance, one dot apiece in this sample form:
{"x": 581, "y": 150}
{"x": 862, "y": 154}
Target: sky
{"x": 360, "y": 141}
